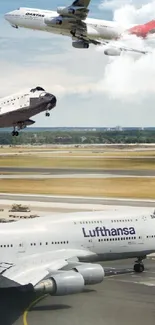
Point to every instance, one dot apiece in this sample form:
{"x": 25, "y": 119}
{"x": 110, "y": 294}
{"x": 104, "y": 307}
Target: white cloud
{"x": 113, "y": 4}
{"x": 135, "y": 13}
{"x": 87, "y": 83}
{"x": 127, "y": 78}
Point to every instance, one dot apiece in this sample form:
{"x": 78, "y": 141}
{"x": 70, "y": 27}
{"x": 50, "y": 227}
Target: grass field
{"x": 77, "y": 152}
{"x": 111, "y": 187}
{"x": 77, "y": 162}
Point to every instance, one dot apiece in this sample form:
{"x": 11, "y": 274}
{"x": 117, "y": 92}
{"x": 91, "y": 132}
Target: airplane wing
{"x": 115, "y": 48}
{"x": 37, "y": 267}
{"x": 77, "y": 11}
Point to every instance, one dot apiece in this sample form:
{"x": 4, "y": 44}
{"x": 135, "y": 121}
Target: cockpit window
{"x": 37, "y": 89}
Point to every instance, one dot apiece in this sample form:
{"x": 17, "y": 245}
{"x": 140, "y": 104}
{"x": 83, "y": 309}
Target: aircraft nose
{"x": 50, "y": 98}
{"x": 8, "y": 15}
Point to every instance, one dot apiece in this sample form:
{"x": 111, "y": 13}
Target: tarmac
{"x": 77, "y": 171}
{"x": 79, "y": 201}
{"x": 122, "y": 298}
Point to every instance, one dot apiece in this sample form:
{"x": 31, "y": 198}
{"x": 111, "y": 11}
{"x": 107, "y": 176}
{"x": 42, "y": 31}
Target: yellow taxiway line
{"x": 25, "y": 322}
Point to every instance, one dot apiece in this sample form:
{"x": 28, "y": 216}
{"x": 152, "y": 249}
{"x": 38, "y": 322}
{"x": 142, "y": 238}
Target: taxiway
{"x": 76, "y": 171}
{"x": 93, "y": 201}
{"x": 122, "y": 298}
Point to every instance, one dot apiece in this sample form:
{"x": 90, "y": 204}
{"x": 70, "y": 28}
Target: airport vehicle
{"x": 56, "y": 255}
{"x": 17, "y": 109}
{"x": 72, "y": 21}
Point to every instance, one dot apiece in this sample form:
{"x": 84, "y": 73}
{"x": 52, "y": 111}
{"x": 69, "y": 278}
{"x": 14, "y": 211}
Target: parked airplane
{"x": 72, "y": 21}
{"x": 16, "y": 110}
{"x": 55, "y": 254}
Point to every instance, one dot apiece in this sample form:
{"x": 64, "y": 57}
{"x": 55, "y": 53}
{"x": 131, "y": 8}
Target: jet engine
{"x": 80, "y": 44}
{"x": 58, "y": 21}
{"x": 53, "y": 21}
{"x": 69, "y": 10}
{"x": 61, "y": 283}
{"x": 112, "y": 51}
{"x": 92, "y": 273}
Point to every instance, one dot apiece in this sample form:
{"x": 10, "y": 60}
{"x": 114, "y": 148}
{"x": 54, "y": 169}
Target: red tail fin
{"x": 143, "y": 30}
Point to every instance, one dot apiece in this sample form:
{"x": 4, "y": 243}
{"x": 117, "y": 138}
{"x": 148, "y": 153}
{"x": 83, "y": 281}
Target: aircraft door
{"x": 21, "y": 249}
{"x": 88, "y": 244}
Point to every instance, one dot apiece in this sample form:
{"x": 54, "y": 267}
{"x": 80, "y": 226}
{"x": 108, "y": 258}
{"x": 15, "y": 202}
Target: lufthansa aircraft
{"x": 72, "y": 21}
{"x": 16, "y": 110}
{"x": 55, "y": 255}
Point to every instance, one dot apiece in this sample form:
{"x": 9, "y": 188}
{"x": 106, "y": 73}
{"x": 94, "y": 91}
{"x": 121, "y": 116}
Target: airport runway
{"x": 81, "y": 171}
{"x": 83, "y": 176}
{"x": 123, "y": 298}
{"x": 77, "y": 200}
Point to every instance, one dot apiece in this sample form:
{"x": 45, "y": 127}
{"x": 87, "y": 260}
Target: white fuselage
{"x": 45, "y": 20}
{"x": 108, "y": 235}
{"x": 17, "y": 109}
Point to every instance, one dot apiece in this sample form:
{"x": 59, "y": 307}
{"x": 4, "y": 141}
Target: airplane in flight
{"x": 59, "y": 255}
{"x": 72, "y": 21}
{"x": 17, "y": 109}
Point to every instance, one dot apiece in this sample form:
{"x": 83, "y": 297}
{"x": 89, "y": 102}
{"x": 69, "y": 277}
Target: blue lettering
{"x": 92, "y": 233}
{"x": 126, "y": 231}
{"x": 97, "y": 229}
{"x": 105, "y": 232}
{"x": 84, "y": 233}
{"x": 119, "y": 231}
{"x": 132, "y": 231}
{"x": 113, "y": 232}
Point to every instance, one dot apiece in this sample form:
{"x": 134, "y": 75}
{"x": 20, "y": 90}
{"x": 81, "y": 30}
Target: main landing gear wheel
{"x": 47, "y": 114}
{"x": 15, "y": 133}
{"x": 139, "y": 266}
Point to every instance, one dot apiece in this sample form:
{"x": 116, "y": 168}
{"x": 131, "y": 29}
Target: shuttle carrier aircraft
{"x": 58, "y": 255}
{"x": 72, "y": 21}
{"x": 17, "y": 109}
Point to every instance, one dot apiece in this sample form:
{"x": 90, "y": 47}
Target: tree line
{"x": 78, "y": 137}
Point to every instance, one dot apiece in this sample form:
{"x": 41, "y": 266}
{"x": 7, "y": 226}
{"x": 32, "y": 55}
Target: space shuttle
{"x": 16, "y": 110}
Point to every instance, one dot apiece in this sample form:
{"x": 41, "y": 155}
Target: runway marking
{"x": 29, "y": 308}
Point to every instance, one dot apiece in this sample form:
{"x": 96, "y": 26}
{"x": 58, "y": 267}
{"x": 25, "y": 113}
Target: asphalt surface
{"x": 70, "y": 171}
{"x": 122, "y": 298}
{"x": 77, "y": 200}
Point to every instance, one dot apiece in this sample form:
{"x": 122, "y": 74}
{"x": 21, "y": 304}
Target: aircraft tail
{"x": 81, "y": 3}
{"x": 143, "y": 30}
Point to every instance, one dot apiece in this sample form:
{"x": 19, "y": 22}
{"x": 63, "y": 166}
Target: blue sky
{"x": 83, "y": 80}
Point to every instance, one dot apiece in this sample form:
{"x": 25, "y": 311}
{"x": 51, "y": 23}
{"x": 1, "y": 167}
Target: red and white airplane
{"x": 72, "y": 21}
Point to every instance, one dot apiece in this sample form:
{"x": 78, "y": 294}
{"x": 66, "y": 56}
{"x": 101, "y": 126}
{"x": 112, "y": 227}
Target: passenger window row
{"x": 102, "y": 221}
{"x": 2, "y": 246}
{"x": 35, "y": 244}
{"x": 52, "y": 243}
{"x": 123, "y": 220}
{"x": 119, "y": 238}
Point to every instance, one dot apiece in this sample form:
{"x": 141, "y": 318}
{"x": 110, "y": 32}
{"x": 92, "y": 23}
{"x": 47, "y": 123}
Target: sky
{"x": 91, "y": 89}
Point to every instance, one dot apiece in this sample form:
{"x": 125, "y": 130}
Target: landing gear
{"x": 73, "y": 33}
{"x": 15, "y": 133}
{"x": 47, "y": 114}
{"x": 139, "y": 266}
